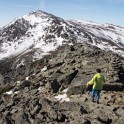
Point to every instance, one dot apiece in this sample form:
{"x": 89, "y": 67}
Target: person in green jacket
{"x": 98, "y": 80}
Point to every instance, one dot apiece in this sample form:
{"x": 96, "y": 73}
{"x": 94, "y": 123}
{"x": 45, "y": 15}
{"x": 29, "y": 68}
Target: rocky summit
{"x": 52, "y": 90}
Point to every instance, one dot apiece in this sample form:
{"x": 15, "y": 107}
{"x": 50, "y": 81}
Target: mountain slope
{"x": 38, "y": 33}
{"x": 52, "y": 89}
{"x": 105, "y": 36}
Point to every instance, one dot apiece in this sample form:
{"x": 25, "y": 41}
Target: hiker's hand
{"x": 87, "y": 85}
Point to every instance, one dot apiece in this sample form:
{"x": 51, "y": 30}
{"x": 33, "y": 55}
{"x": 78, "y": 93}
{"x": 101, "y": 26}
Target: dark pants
{"x": 97, "y": 92}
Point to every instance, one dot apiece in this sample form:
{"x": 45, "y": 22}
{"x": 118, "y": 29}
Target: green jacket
{"x": 98, "y": 80}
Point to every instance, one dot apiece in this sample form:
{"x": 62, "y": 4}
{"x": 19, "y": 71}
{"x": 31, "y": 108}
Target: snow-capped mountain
{"x": 104, "y": 36}
{"x": 38, "y": 33}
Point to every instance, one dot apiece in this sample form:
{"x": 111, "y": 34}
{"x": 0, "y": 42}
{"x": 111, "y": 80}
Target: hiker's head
{"x": 98, "y": 70}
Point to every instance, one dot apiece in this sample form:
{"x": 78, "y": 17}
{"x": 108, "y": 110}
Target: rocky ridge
{"x": 29, "y": 93}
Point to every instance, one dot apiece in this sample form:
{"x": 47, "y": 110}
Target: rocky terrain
{"x": 52, "y": 89}
{"x": 45, "y": 63}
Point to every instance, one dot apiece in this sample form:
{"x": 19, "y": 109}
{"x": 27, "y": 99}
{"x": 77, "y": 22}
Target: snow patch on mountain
{"x": 32, "y": 39}
{"x": 105, "y": 36}
{"x": 106, "y": 31}
{"x": 39, "y": 33}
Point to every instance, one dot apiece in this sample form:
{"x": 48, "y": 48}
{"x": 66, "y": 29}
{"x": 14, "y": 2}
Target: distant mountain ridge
{"x": 39, "y": 33}
{"x": 107, "y": 35}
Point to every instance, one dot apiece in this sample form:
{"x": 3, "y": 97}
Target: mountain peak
{"x": 39, "y": 13}
{"x": 40, "y": 32}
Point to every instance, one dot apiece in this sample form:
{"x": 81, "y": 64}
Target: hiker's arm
{"x": 91, "y": 81}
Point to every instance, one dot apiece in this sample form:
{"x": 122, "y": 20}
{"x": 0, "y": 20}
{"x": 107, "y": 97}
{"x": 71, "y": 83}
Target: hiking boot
{"x": 97, "y": 101}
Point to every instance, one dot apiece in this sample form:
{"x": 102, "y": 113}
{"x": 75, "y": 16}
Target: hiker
{"x": 97, "y": 81}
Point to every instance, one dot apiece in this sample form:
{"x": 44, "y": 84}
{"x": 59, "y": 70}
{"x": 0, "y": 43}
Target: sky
{"x": 99, "y": 11}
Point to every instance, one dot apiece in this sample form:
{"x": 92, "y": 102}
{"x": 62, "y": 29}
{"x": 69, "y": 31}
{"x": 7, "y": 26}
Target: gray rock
{"x": 55, "y": 86}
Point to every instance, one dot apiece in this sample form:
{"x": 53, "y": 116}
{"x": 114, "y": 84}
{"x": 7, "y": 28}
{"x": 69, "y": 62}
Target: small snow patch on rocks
{"x": 63, "y": 97}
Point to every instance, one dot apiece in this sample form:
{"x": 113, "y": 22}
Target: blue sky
{"x": 100, "y": 11}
